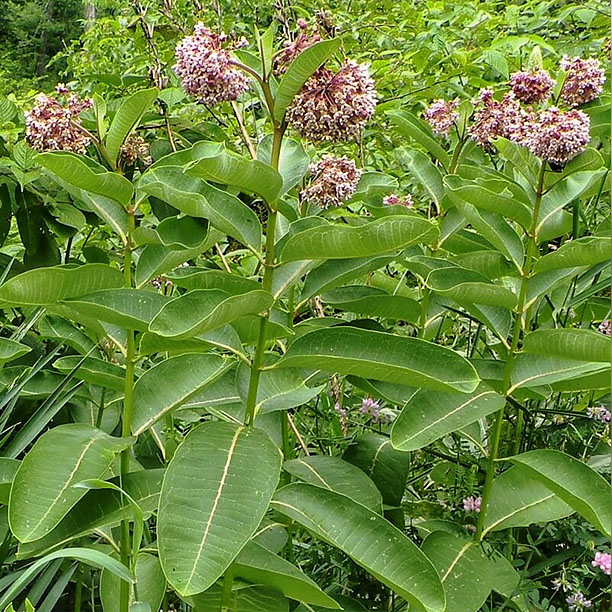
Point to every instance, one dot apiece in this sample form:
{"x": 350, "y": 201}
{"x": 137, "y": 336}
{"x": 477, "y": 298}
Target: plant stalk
{"x": 519, "y": 324}
{"x": 226, "y": 600}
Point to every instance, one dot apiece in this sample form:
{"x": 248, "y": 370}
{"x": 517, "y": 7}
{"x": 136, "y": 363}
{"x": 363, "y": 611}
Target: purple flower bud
{"x": 394, "y": 200}
{"x": 334, "y": 106}
{"x": 205, "y": 68}
{"x": 334, "y": 180}
{"x": 532, "y": 87}
{"x": 441, "y": 115}
{"x": 584, "y": 80}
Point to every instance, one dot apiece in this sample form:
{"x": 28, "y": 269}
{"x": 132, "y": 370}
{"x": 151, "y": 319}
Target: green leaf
{"x": 586, "y": 251}
{"x": 93, "y": 370}
{"x": 465, "y": 570}
{"x": 202, "y": 278}
{"x": 430, "y": 415}
{"x": 373, "y": 302}
{"x": 388, "y": 468}
{"x": 578, "y": 485}
{"x": 578, "y": 344}
{"x": 411, "y": 127}
{"x": 8, "y": 469}
{"x": 170, "y": 383}
{"x": 99, "y": 508}
{"x": 258, "y": 565}
{"x": 341, "y": 241}
{"x": 249, "y": 175}
{"x": 127, "y": 118}
{"x": 245, "y": 598}
{"x": 88, "y": 556}
{"x": 467, "y": 287}
{"x": 300, "y": 70}
{"x": 292, "y": 164}
{"x": 205, "y": 309}
{"x": 130, "y": 308}
{"x": 519, "y": 501}
{"x": 42, "y": 492}
{"x": 11, "y": 350}
{"x": 426, "y": 173}
{"x": 358, "y": 532}
{"x": 222, "y": 499}
{"x": 49, "y": 285}
{"x": 337, "y": 475}
{"x": 382, "y": 356}
{"x": 197, "y": 198}
{"x": 150, "y": 583}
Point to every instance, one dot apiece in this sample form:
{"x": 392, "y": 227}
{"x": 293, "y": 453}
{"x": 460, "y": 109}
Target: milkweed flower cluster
{"x": 577, "y": 601}
{"x": 395, "y": 200}
{"x": 205, "y": 67}
{"x": 334, "y": 180}
{"x": 292, "y": 48}
{"x": 134, "y": 148}
{"x": 599, "y": 413}
{"x": 603, "y": 561}
{"x": 497, "y": 118}
{"x": 472, "y": 504}
{"x": 334, "y": 106}
{"x": 55, "y": 126}
{"x": 583, "y": 82}
{"x": 532, "y": 86}
{"x": 442, "y": 115}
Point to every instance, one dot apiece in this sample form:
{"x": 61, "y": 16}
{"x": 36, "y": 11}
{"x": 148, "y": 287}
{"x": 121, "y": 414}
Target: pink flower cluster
{"x": 292, "y": 49}
{"x": 532, "y": 86}
{"x": 599, "y": 413}
{"x": 472, "y": 504}
{"x": 205, "y": 67}
{"x": 555, "y": 135}
{"x": 605, "y": 328}
{"x": 442, "y": 115}
{"x": 497, "y": 118}
{"x": 583, "y": 82}
{"x": 394, "y": 200}
{"x": 334, "y": 180}
{"x": 53, "y": 126}
{"x": 334, "y": 106}
{"x": 603, "y": 561}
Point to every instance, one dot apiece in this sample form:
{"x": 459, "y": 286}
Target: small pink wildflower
{"x": 603, "y": 561}
{"x": 394, "y": 200}
{"x": 442, "y": 115}
{"x": 472, "y": 504}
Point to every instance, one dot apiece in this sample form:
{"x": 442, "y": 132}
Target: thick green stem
{"x": 226, "y": 600}
{"x": 521, "y": 322}
{"x": 126, "y": 422}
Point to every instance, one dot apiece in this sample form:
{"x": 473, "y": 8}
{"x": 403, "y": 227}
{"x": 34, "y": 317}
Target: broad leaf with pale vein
{"x": 382, "y": 356}
{"x": 215, "y": 493}
{"x": 43, "y": 492}
{"x": 518, "y": 500}
{"x": 577, "y": 484}
{"x": 429, "y": 415}
{"x": 362, "y": 535}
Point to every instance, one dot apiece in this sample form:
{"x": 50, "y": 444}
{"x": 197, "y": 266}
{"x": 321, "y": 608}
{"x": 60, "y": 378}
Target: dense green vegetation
{"x": 312, "y": 315}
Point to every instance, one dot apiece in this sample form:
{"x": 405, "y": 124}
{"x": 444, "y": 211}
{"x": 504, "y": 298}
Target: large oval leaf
{"x": 578, "y": 344}
{"x": 578, "y": 485}
{"x": 43, "y": 491}
{"x": 215, "y": 493}
{"x": 337, "y": 475}
{"x": 205, "y": 309}
{"x": 586, "y": 251}
{"x": 518, "y": 500}
{"x": 171, "y": 383}
{"x": 49, "y": 285}
{"x": 341, "y": 241}
{"x": 429, "y": 415}
{"x": 361, "y": 533}
{"x": 382, "y": 356}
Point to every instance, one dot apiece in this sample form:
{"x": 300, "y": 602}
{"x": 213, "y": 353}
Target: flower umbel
{"x": 557, "y": 136}
{"x": 472, "y": 504}
{"x": 532, "y": 87}
{"x": 55, "y": 126}
{"x": 205, "y": 67}
{"x": 334, "y": 180}
{"x": 584, "y": 80}
{"x": 134, "y": 148}
{"x": 441, "y": 115}
{"x": 334, "y": 106}
{"x": 603, "y": 561}
{"x": 497, "y": 118}
{"x": 292, "y": 48}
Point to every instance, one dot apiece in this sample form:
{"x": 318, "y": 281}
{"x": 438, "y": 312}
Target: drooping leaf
{"x": 337, "y": 475}
{"x": 49, "y": 285}
{"x": 429, "y": 415}
{"x": 573, "y": 481}
{"x": 93, "y": 370}
{"x": 11, "y": 350}
{"x": 586, "y": 251}
{"x": 382, "y": 356}
{"x": 43, "y": 491}
{"x": 222, "y": 500}
{"x": 359, "y": 533}
{"x": 170, "y": 383}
